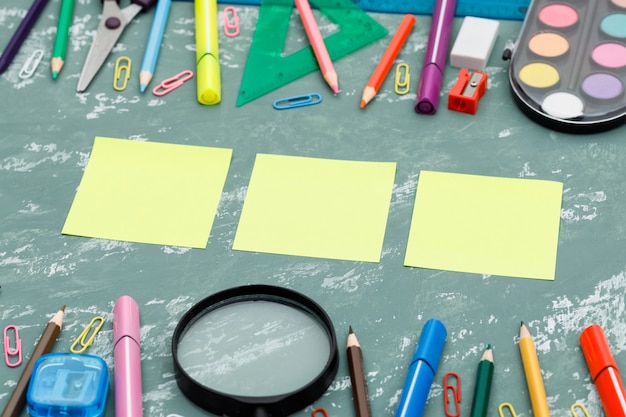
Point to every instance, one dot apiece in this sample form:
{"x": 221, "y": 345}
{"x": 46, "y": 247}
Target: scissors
{"x": 112, "y": 23}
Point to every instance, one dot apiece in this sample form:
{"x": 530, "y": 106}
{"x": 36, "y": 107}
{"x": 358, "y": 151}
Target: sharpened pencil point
{"x": 350, "y": 330}
{"x": 142, "y": 88}
{"x": 55, "y": 74}
{"x": 62, "y": 308}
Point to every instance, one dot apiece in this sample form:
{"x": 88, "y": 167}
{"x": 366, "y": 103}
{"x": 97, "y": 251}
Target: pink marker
{"x": 127, "y": 358}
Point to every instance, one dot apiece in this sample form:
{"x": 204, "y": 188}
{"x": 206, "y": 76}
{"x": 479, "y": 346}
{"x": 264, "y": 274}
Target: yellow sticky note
{"x": 149, "y": 192}
{"x": 485, "y": 225}
{"x": 314, "y": 207}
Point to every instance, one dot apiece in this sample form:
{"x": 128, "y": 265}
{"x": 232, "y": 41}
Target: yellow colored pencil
{"x": 534, "y": 380}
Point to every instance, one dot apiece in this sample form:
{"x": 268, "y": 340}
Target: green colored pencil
{"x": 484, "y": 375}
{"x": 66, "y": 14}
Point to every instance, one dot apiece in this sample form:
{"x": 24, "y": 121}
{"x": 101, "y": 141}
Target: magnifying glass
{"x": 255, "y": 350}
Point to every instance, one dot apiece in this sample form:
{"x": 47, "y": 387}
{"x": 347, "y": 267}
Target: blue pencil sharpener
{"x": 68, "y": 385}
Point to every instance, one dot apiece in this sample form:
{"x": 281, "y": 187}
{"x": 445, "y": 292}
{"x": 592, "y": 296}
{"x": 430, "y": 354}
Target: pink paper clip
{"x": 172, "y": 83}
{"x": 8, "y": 351}
{"x": 453, "y": 391}
{"x": 231, "y": 29}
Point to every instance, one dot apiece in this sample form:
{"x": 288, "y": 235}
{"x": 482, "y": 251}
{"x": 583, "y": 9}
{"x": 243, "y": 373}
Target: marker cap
{"x": 126, "y": 319}
{"x": 208, "y": 79}
{"x": 596, "y": 350}
{"x": 431, "y": 343}
{"x": 429, "y": 89}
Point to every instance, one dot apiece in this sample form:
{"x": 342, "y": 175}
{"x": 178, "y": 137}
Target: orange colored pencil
{"x": 318, "y": 45}
{"x": 386, "y": 61}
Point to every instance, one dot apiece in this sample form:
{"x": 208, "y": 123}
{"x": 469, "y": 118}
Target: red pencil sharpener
{"x": 467, "y": 92}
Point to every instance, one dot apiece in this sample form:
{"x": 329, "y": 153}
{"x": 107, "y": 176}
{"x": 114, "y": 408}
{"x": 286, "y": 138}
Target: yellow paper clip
{"x": 31, "y": 64}
{"x": 172, "y": 83}
{"x": 94, "y": 327}
{"x": 506, "y": 405}
{"x": 231, "y": 22}
{"x": 122, "y": 73}
{"x": 403, "y": 79}
{"x": 580, "y": 407}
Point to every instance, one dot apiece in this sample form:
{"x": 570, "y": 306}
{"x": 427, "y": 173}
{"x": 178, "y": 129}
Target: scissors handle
{"x": 145, "y": 4}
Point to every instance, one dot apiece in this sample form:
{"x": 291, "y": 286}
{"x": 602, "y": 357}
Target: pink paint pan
{"x": 568, "y": 68}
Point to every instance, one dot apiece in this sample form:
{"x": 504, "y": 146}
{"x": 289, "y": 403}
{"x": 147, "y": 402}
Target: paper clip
{"x": 172, "y": 83}
{"x": 297, "y": 101}
{"x": 403, "y": 79}
{"x": 319, "y": 410}
{"x": 506, "y": 405}
{"x": 581, "y": 408}
{"x": 94, "y": 327}
{"x": 31, "y": 64}
{"x": 231, "y": 29}
{"x": 8, "y": 350}
{"x": 468, "y": 90}
{"x": 455, "y": 392}
{"x": 122, "y": 67}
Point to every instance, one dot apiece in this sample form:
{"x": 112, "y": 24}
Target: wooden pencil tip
{"x": 63, "y": 308}
{"x": 350, "y": 330}
{"x": 488, "y": 346}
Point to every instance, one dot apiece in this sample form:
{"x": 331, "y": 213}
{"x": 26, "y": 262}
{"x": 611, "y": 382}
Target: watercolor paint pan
{"x": 568, "y": 68}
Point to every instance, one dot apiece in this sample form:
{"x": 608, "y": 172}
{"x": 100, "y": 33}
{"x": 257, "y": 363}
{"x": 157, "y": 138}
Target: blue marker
{"x": 422, "y": 369}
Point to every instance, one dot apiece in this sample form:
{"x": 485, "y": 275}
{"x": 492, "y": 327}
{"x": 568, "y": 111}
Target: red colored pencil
{"x": 386, "y": 61}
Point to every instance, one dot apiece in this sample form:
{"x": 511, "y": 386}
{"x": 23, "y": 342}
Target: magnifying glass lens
{"x": 254, "y": 348}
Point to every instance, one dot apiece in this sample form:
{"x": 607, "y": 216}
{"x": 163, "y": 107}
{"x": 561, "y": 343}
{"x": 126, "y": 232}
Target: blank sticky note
{"x": 314, "y": 207}
{"x": 485, "y": 225}
{"x": 149, "y": 192}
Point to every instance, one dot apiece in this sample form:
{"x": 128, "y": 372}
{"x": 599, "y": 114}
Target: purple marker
{"x": 431, "y": 77}
{"x": 127, "y": 360}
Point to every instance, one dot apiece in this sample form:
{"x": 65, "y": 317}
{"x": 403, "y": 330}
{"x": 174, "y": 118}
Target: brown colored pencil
{"x": 357, "y": 376}
{"x": 46, "y": 341}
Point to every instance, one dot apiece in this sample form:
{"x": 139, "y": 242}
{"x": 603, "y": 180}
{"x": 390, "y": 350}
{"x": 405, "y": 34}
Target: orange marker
{"x": 386, "y": 61}
{"x": 603, "y": 370}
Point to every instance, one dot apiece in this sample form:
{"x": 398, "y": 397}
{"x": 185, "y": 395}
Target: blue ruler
{"x": 494, "y": 9}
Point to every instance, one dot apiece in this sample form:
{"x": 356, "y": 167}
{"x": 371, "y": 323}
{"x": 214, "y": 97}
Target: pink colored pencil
{"x": 317, "y": 43}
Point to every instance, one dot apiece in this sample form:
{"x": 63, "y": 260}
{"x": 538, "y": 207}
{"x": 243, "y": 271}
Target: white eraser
{"x": 474, "y": 43}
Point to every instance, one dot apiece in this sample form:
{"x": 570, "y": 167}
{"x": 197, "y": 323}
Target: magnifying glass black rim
{"x": 220, "y": 403}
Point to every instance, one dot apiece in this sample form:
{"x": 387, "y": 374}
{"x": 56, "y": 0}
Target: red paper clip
{"x": 453, "y": 391}
{"x": 231, "y": 29}
{"x": 319, "y": 410}
{"x": 172, "y": 83}
{"x": 8, "y": 350}
{"x": 468, "y": 90}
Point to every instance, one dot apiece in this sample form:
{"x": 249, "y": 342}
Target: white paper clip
{"x": 297, "y": 101}
{"x": 172, "y": 83}
{"x": 31, "y": 64}
{"x": 231, "y": 22}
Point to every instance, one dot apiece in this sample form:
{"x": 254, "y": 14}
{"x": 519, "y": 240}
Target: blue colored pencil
{"x": 154, "y": 43}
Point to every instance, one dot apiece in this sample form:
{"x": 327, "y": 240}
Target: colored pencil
{"x": 153, "y": 46}
{"x": 46, "y": 341}
{"x": 389, "y": 56}
{"x": 357, "y": 375}
{"x": 21, "y": 33}
{"x": 482, "y": 389}
{"x": 66, "y": 14}
{"x": 536, "y": 390}
{"x": 318, "y": 45}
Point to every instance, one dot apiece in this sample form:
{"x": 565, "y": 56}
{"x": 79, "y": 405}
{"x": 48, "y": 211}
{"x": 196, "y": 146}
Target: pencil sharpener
{"x": 68, "y": 385}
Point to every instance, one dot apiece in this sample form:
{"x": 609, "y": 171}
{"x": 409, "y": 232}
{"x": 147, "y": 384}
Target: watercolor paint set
{"x": 568, "y": 67}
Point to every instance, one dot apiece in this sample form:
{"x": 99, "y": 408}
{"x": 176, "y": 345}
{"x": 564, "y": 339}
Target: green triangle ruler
{"x": 267, "y": 69}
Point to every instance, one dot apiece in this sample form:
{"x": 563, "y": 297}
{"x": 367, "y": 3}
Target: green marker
{"x": 484, "y": 375}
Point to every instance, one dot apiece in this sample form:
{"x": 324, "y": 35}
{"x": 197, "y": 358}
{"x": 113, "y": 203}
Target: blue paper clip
{"x": 172, "y": 83}
{"x": 8, "y": 350}
{"x": 297, "y": 101}
{"x": 122, "y": 73}
{"x": 94, "y": 327}
{"x": 453, "y": 391}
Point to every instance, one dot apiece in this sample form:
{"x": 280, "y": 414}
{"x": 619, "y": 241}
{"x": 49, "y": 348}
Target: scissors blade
{"x": 110, "y": 29}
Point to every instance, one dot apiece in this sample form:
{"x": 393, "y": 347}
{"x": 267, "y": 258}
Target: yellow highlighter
{"x": 207, "y": 57}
